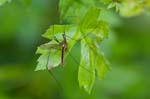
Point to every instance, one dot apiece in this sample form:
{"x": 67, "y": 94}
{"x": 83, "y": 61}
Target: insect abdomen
{"x": 62, "y": 54}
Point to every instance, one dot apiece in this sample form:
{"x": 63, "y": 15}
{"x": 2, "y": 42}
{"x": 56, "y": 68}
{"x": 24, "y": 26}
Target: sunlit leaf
{"x": 50, "y": 55}
{"x": 131, "y": 8}
{"x": 86, "y": 73}
{"x": 92, "y": 24}
{"x": 42, "y": 62}
{"x": 101, "y": 65}
{"x": 56, "y": 29}
{"x": 64, "y": 7}
{"x": 73, "y": 11}
{"x": 47, "y": 47}
{"x": 111, "y": 5}
{"x": 88, "y": 22}
{"x": 49, "y": 59}
{"x": 101, "y": 30}
{"x": 53, "y": 48}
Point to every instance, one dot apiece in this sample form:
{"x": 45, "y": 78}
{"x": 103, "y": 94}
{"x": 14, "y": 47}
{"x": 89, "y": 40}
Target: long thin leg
{"x": 56, "y": 40}
{"x": 50, "y": 72}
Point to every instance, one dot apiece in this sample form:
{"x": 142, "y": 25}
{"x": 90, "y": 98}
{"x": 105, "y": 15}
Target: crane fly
{"x": 64, "y": 47}
{"x": 61, "y": 45}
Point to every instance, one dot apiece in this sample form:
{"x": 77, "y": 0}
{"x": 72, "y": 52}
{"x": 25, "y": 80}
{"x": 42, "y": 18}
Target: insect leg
{"x": 56, "y": 39}
{"x": 52, "y": 75}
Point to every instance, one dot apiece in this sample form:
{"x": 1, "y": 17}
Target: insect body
{"x": 64, "y": 47}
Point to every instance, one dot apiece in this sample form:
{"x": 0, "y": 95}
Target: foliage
{"x": 127, "y": 49}
{"x": 81, "y": 21}
{"x": 129, "y": 7}
{"x": 4, "y": 1}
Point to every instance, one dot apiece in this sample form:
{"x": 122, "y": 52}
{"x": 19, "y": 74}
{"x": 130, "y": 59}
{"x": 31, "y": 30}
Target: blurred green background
{"x": 21, "y": 24}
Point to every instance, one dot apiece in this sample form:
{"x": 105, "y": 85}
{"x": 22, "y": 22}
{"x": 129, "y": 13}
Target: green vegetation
{"x": 88, "y": 25}
{"x": 101, "y": 34}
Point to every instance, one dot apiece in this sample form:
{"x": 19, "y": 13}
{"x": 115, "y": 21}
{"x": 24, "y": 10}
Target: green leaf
{"x": 92, "y": 24}
{"x": 111, "y": 5}
{"x": 88, "y": 22}
{"x": 91, "y": 59}
{"x": 49, "y": 59}
{"x": 53, "y": 48}
{"x": 56, "y": 29}
{"x": 42, "y": 62}
{"x": 101, "y": 65}
{"x": 86, "y": 73}
{"x": 50, "y": 55}
{"x": 101, "y": 30}
{"x": 4, "y": 1}
{"x": 97, "y": 30}
{"x": 64, "y": 6}
{"x": 47, "y": 47}
{"x": 72, "y": 11}
{"x": 131, "y": 8}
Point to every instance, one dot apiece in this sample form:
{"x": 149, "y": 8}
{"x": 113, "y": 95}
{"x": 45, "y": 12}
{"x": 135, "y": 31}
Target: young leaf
{"x": 88, "y": 22}
{"x": 50, "y": 55}
{"x": 72, "y": 11}
{"x": 111, "y": 5}
{"x": 101, "y": 30}
{"x": 42, "y": 62}
{"x": 101, "y": 65}
{"x": 56, "y": 29}
{"x": 86, "y": 73}
{"x": 92, "y": 24}
{"x": 53, "y": 60}
{"x": 52, "y": 50}
{"x": 49, "y": 59}
{"x": 42, "y": 49}
{"x": 131, "y": 8}
{"x": 64, "y": 6}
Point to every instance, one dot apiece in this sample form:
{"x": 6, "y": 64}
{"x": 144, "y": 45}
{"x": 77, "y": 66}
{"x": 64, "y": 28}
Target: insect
{"x": 59, "y": 44}
{"x": 64, "y": 48}
{"x": 56, "y": 46}
{"x": 59, "y": 47}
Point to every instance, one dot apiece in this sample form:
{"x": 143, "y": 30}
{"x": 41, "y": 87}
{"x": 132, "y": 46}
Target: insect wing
{"x": 54, "y": 59}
